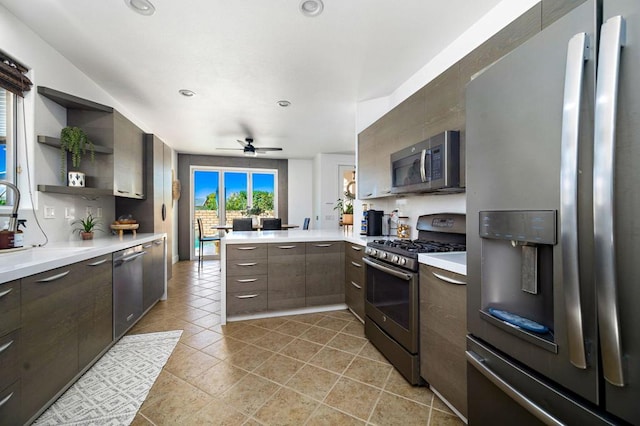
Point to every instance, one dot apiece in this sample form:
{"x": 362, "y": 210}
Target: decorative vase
{"x": 255, "y": 221}
{"x": 347, "y": 219}
{"x": 76, "y": 179}
{"x": 87, "y": 235}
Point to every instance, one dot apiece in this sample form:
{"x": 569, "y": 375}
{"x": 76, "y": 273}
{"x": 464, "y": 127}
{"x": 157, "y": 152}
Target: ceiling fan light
{"x": 186, "y": 92}
{"x": 284, "y": 103}
{"x": 311, "y": 8}
{"x": 250, "y": 153}
{"x": 143, "y": 7}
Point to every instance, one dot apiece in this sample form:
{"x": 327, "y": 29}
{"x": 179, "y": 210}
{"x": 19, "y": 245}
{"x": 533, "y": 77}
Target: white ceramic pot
{"x": 76, "y": 179}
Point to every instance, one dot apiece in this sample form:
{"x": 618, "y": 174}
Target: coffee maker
{"x": 373, "y": 220}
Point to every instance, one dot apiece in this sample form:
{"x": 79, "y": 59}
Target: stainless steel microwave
{"x": 428, "y": 166}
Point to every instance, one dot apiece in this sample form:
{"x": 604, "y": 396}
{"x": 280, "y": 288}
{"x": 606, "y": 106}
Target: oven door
{"x": 392, "y": 301}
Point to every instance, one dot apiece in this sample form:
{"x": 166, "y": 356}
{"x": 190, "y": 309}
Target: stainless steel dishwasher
{"x": 127, "y": 288}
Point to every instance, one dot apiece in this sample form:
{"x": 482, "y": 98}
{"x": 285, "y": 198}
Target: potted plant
{"x": 253, "y": 213}
{"x": 74, "y": 140}
{"x": 345, "y": 207}
{"x": 86, "y": 226}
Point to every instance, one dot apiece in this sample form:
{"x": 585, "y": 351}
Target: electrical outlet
{"x": 99, "y": 212}
{"x": 49, "y": 212}
{"x": 68, "y": 212}
{"x": 89, "y": 211}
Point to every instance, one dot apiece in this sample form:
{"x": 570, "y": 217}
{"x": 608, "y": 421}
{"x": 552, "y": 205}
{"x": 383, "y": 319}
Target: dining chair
{"x": 271, "y": 224}
{"x": 203, "y": 239}
{"x": 242, "y": 224}
{"x": 305, "y": 224}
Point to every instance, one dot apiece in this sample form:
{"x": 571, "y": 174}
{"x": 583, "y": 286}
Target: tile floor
{"x": 315, "y": 369}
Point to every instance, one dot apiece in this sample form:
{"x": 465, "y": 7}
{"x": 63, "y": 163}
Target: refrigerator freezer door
{"x": 514, "y": 127}
{"x": 623, "y": 401}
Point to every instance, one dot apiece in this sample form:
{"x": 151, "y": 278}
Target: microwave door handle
{"x": 576, "y": 56}
{"x": 611, "y": 41}
{"x": 423, "y": 161}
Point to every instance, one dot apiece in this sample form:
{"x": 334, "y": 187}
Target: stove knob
{"x": 403, "y": 261}
{"x": 395, "y": 259}
{"x": 373, "y": 252}
{"x": 383, "y": 255}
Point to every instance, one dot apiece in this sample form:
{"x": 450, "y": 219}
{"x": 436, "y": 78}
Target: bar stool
{"x": 203, "y": 239}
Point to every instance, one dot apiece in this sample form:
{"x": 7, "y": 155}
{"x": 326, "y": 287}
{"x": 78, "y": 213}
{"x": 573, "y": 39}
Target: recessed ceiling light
{"x": 311, "y": 8}
{"x": 186, "y": 92}
{"x": 143, "y": 7}
{"x": 284, "y": 103}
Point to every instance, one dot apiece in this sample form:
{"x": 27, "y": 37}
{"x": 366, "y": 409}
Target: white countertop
{"x": 19, "y": 264}
{"x": 299, "y": 235}
{"x": 450, "y": 261}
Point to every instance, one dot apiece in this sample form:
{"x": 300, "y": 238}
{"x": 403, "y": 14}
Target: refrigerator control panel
{"x": 531, "y": 226}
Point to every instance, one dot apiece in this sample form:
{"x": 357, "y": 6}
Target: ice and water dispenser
{"x": 517, "y": 272}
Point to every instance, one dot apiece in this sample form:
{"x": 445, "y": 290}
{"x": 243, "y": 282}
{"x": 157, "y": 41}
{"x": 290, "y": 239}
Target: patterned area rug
{"x": 113, "y": 390}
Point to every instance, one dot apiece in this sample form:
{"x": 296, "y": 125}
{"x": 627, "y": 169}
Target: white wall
{"x": 300, "y": 191}
{"x": 326, "y": 179}
{"x": 43, "y": 117}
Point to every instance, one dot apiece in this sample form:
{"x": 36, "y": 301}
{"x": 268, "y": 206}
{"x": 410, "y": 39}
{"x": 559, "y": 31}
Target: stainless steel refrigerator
{"x": 553, "y": 225}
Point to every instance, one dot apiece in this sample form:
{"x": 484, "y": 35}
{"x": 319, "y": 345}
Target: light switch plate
{"x": 99, "y": 212}
{"x": 49, "y": 212}
{"x": 68, "y": 212}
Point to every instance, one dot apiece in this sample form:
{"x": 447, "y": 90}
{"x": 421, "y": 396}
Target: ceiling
{"x": 241, "y": 57}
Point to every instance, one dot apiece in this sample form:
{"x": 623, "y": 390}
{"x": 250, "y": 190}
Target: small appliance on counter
{"x": 374, "y": 222}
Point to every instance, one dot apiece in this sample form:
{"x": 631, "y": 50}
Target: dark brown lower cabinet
{"x": 324, "y": 273}
{"x": 354, "y": 284}
{"x": 152, "y": 273}
{"x": 286, "y": 276}
{"x": 10, "y": 405}
{"x": 443, "y": 329}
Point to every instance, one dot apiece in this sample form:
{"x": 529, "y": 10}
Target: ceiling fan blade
{"x": 230, "y": 149}
{"x": 260, "y": 149}
{"x": 243, "y": 143}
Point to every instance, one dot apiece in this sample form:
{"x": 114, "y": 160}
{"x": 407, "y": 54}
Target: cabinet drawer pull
{"x": 147, "y": 246}
{"x": 130, "y": 317}
{"x": 356, "y": 285}
{"x": 449, "y": 280}
{"x": 157, "y": 242}
{"x": 248, "y": 296}
{"x": 356, "y": 264}
{"x": 4, "y": 293}
{"x": 323, "y": 245}
{"x": 99, "y": 262}
{"x": 55, "y": 277}
{"x": 247, "y": 264}
{"x": 247, "y": 248}
{"x": 122, "y": 192}
{"x": 247, "y": 280}
{"x": 5, "y": 346}
{"x": 369, "y": 194}
{"x": 287, "y": 247}
{"x": 356, "y": 248}
{"x": 140, "y": 195}
{"x": 6, "y": 399}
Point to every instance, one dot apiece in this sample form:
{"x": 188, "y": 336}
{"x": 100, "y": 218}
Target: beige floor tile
{"x": 355, "y": 328}
{"x": 313, "y": 381}
{"x": 202, "y": 339}
{"x": 208, "y": 320}
{"x": 393, "y": 409}
{"x": 347, "y": 343}
{"x": 249, "y": 357}
{"x": 269, "y": 323}
{"x": 251, "y": 333}
{"x": 327, "y": 416}
{"x": 342, "y": 314}
{"x": 164, "y": 384}
{"x": 318, "y": 335}
{"x": 273, "y": 341}
{"x": 353, "y": 397}
{"x": 224, "y": 347}
{"x": 335, "y": 324}
{"x": 218, "y": 378}
{"x": 175, "y": 406}
{"x": 293, "y": 328}
{"x": 279, "y": 368}
{"x": 252, "y": 422}
{"x": 249, "y": 393}
{"x": 370, "y": 351}
{"x": 440, "y": 418}
{"x": 217, "y": 412}
{"x": 140, "y": 420}
{"x": 286, "y": 407}
{"x": 332, "y": 359}
{"x": 371, "y": 372}
{"x": 190, "y": 366}
{"x": 302, "y": 350}
{"x": 398, "y": 385}
{"x": 307, "y": 318}
{"x": 440, "y": 405}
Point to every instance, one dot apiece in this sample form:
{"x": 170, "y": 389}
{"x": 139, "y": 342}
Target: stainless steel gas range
{"x": 391, "y": 304}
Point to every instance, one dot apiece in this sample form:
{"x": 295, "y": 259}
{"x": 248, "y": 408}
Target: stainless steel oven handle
{"x": 449, "y": 280}
{"x": 388, "y": 270}
{"x": 611, "y": 41}
{"x": 513, "y": 393}
{"x": 576, "y": 55}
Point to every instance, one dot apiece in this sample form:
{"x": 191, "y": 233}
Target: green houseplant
{"x": 345, "y": 207}
{"x": 75, "y": 141}
{"x": 87, "y": 226}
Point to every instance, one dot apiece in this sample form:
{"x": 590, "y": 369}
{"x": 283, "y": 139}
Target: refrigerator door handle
{"x": 476, "y": 361}
{"x": 611, "y": 41}
{"x": 576, "y": 55}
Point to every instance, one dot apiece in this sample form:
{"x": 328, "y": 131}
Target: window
{"x": 8, "y": 103}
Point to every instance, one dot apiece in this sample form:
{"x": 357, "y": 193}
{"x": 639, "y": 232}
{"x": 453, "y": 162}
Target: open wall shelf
{"x": 70, "y": 101}
{"x": 74, "y": 190}
{"x": 55, "y": 142}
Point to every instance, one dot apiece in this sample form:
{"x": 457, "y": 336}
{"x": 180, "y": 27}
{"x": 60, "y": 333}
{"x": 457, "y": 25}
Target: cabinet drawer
{"x": 286, "y": 249}
{"x": 246, "y": 251}
{"x": 321, "y": 247}
{"x": 353, "y": 252}
{"x": 246, "y": 283}
{"x": 246, "y": 302}
{"x": 9, "y": 359}
{"x": 243, "y": 267}
{"x": 355, "y": 270}
{"x": 10, "y": 405}
{"x": 9, "y": 306}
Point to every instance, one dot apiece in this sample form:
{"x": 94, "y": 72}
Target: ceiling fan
{"x": 250, "y": 150}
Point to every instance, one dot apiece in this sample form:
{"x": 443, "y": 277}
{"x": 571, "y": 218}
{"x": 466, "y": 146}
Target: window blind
{"x": 13, "y": 76}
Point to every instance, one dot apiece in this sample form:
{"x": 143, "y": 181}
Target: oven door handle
{"x": 398, "y": 274}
